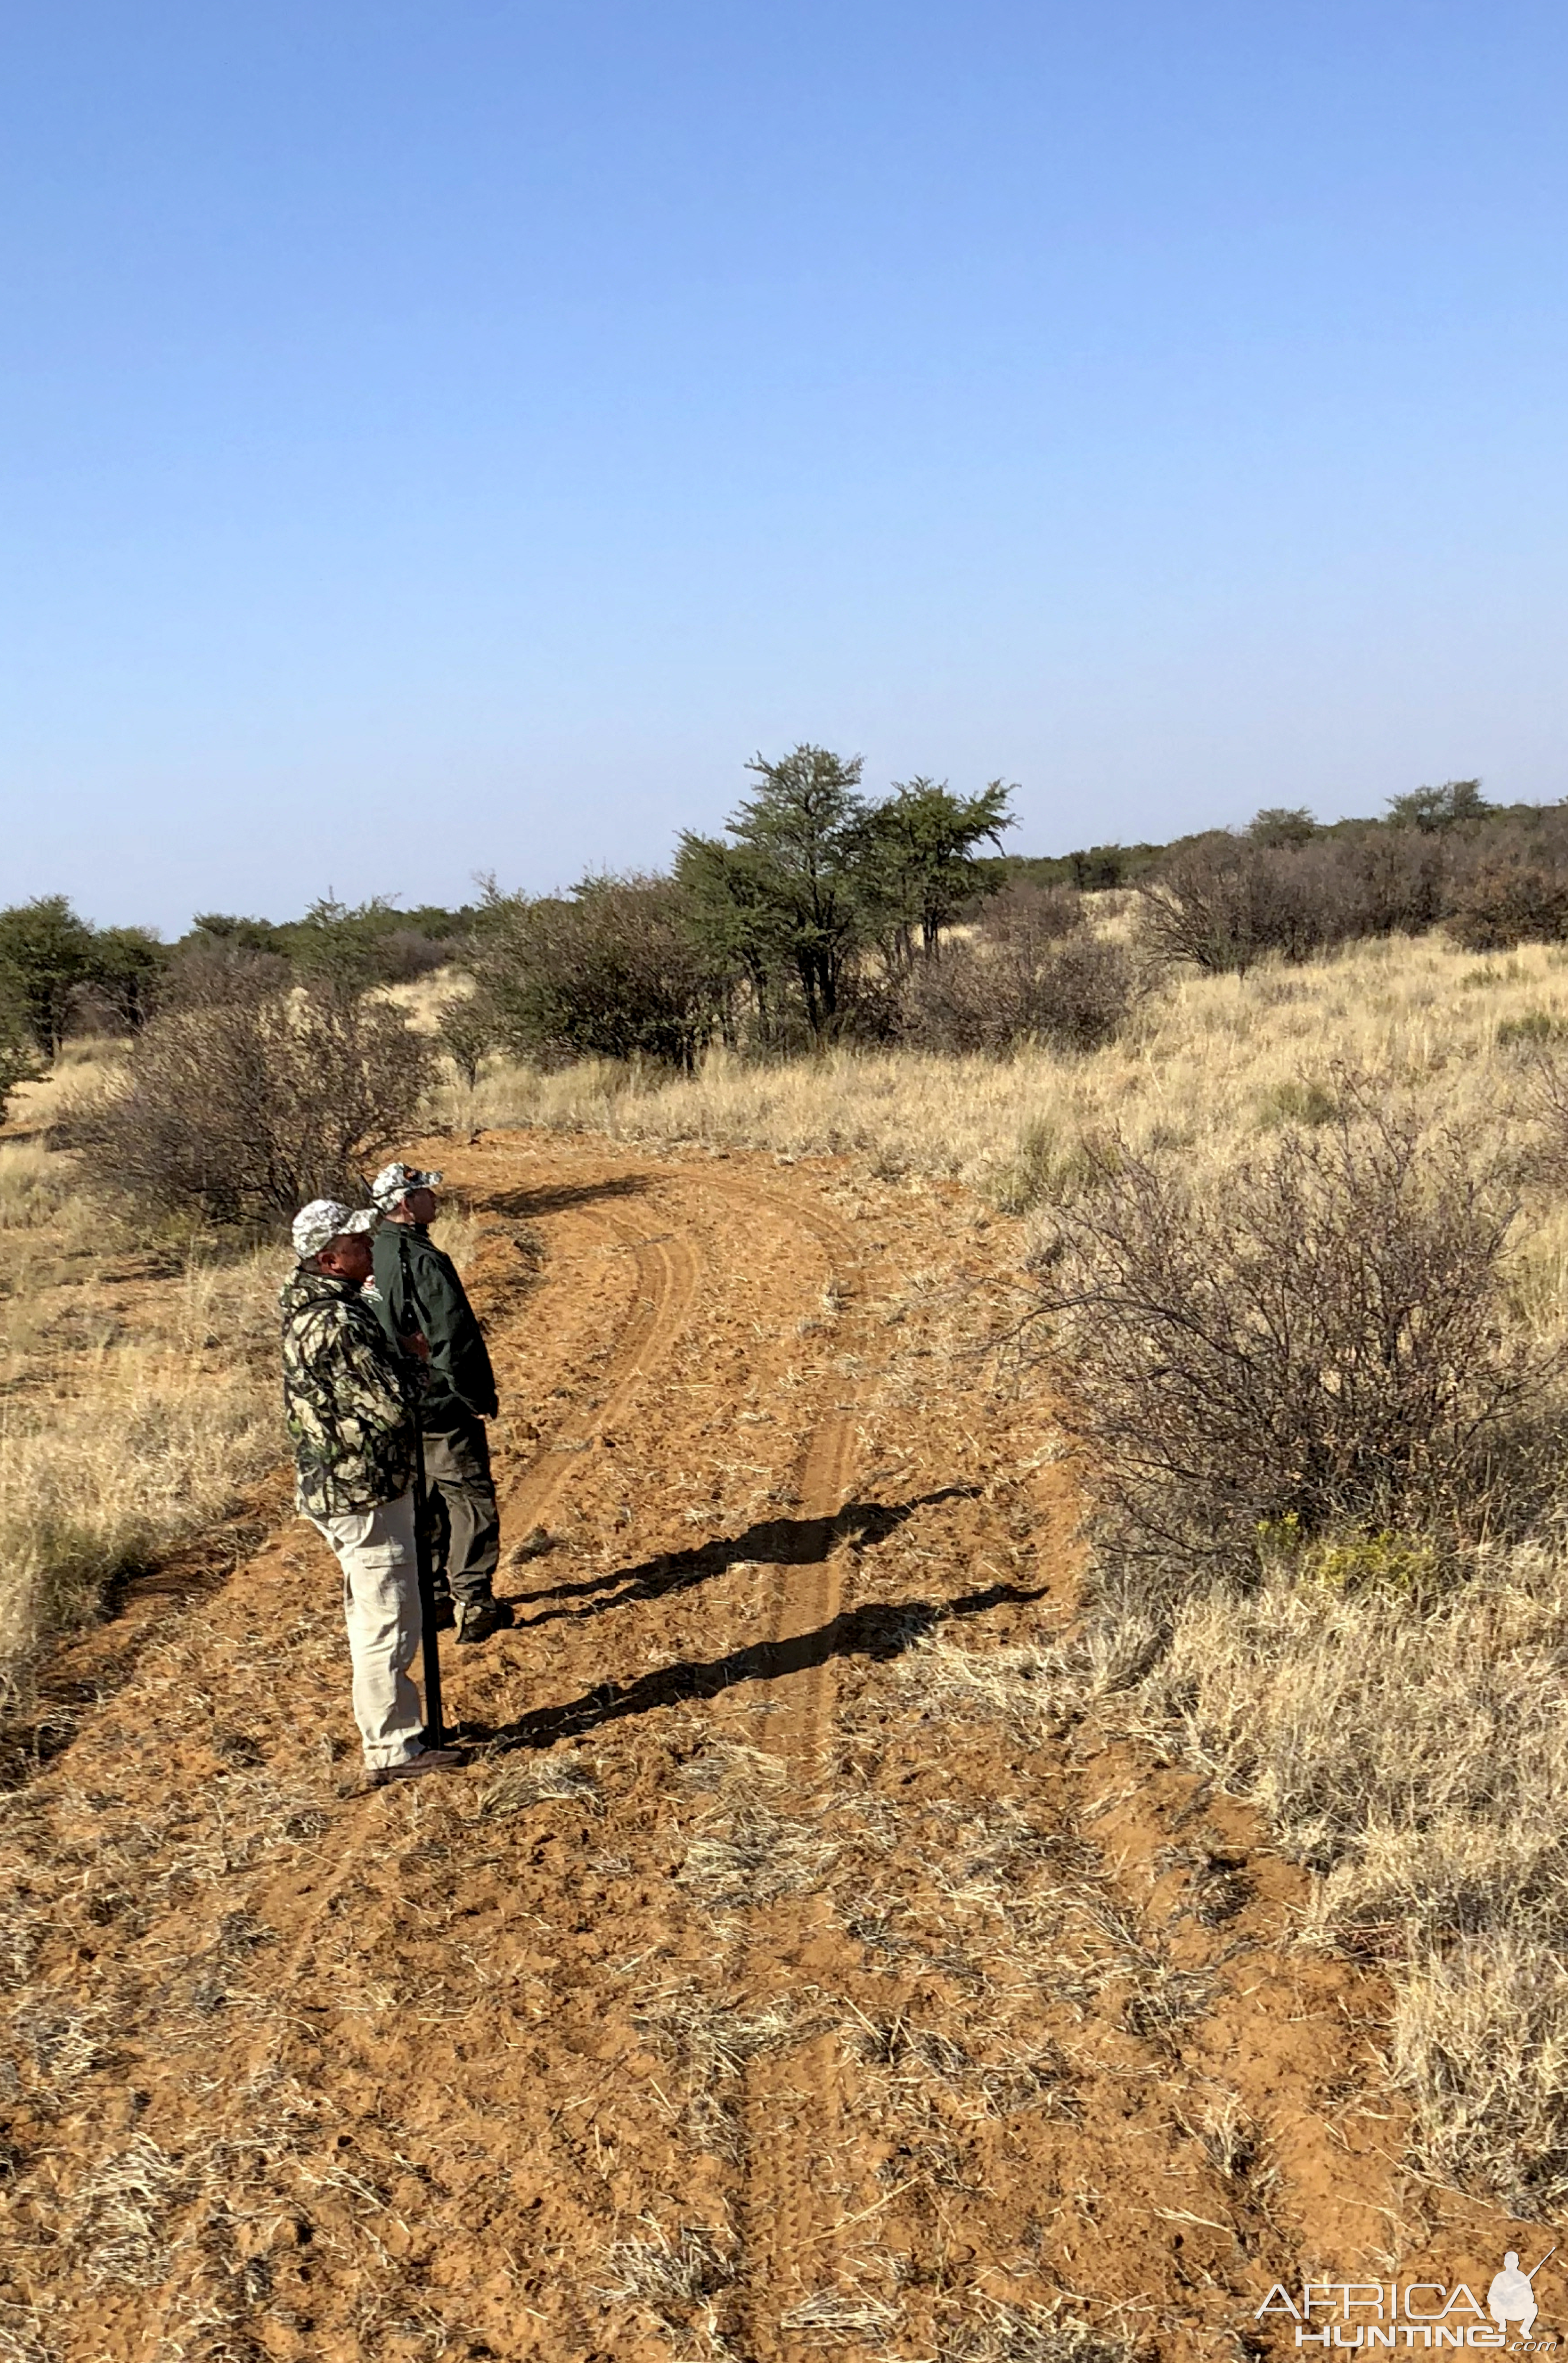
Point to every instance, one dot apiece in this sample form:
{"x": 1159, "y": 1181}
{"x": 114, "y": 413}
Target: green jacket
{"x": 418, "y": 1287}
{"x": 348, "y": 1397}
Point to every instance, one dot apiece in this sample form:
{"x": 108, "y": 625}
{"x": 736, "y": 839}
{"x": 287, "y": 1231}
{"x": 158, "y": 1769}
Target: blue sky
{"x": 436, "y": 438}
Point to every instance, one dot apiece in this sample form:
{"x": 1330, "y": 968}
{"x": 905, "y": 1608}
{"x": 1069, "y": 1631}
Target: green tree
{"x": 20, "y": 1058}
{"x": 127, "y": 963}
{"x": 466, "y": 1029}
{"x": 1430, "y": 809}
{"x": 1278, "y": 824}
{"x": 733, "y": 913}
{"x": 47, "y": 952}
{"x": 222, "y": 930}
{"x": 1095, "y": 868}
{"x": 339, "y": 947}
{"x": 921, "y": 861}
{"x": 788, "y": 891}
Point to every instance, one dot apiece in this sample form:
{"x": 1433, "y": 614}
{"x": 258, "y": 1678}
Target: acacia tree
{"x": 46, "y": 951}
{"x": 788, "y": 892}
{"x": 1430, "y": 809}
{"x": 736, "y": 919}
{"x": 921, "y": 862}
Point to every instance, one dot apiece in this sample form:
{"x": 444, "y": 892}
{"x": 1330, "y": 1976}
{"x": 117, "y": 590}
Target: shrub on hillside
{"x": 466, "y": 1030}
{"x": 1502, "y": 904}
{"x": 1310, "y": 1346}
{"x": 1224, "y": 902}
{"x": 1073, "y": 992}
{"x": 1397, "y": 881}
{"x": 615, "y": 972}
{"x": 1510, "y": 888}
{"x": 244, "y": 1099}
{"x": 1032, "y": 915}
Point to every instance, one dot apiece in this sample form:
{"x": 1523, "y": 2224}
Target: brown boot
{"x": 478, "y": 1619}
{"x": 415, "y": 1768}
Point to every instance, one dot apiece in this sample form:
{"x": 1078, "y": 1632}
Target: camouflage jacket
{"x": 348, "y": 1396}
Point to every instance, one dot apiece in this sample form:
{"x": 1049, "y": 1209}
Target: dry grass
{"x": 710, "y": 2043}
{"x": 1210, "y": 1060}
{"x": 138, "y": 1402}
{"x": 672, "y": 2282}
{"x": 747, "y": 1855}
{"x": 1029, "y": 2334}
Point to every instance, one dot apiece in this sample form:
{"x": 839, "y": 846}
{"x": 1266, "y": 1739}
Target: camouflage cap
{"x": 394, "y": 1181}
{"x": 327, "y": 1218}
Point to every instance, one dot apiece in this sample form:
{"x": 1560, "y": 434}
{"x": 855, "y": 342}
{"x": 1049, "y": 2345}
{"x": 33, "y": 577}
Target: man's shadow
{"x": 880, "y": 1631}
{"x": 525, "y": 1205}
{"x": 776, "y": 1542}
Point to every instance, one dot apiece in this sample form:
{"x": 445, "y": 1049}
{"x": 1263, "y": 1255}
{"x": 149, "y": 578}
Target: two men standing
{"x": 420, "y": 1293}
{"x": 363, "y": 1365}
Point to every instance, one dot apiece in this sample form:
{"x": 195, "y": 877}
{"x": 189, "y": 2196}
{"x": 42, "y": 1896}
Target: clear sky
{"x": 456, "y": 436}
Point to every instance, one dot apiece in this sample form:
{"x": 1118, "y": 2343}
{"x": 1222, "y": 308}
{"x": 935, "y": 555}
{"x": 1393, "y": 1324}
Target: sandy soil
{"x": 768, "y": 1983}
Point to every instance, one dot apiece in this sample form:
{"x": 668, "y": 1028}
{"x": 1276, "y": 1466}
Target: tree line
{"x": 265, "y": 1066}
{"x": 817, "y": 914}
{"x": 800, "y": 923}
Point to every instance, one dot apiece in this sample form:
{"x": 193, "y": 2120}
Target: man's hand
{"x": 417, "y": 1344}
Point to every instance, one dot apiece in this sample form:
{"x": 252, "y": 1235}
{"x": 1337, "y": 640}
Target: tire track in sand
{"x": 669, "y": 1269}
{"x": 794, "y": 2106}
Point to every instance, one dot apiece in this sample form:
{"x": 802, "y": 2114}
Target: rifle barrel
{"x": 430, "y": 1640}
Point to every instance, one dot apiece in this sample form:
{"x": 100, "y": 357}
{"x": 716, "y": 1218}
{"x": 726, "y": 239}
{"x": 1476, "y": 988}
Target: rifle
{"x": 430, "y": 1640}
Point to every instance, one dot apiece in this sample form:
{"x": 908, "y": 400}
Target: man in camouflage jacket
{"x": 350, "y": 1395}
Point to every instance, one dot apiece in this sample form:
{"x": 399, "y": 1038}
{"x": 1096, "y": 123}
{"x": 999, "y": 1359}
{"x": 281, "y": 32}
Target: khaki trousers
{"x": 380, "y": 1608}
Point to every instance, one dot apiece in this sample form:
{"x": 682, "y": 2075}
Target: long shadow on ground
{"x": 881, "y": 1630}
{"x": 558, "y": 1200}
{"x": 776, "y": 1542}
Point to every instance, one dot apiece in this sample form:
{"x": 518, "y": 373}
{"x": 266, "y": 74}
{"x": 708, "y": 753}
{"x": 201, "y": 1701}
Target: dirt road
{"x": 787, "y": 1974}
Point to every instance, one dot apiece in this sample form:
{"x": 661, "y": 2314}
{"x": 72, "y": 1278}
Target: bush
{"x": 46, "y": 953}
{"x": 1075, "y": 992}
{"x": 1032, "y": 917}
{"x": 19, "y": 1059}
{"x": 1309, "y": 1346}
{"x": 614, "y": 974}
{"x": 466, "y": 1030}
{"x": 246, "y": 1099}
{"x": 1224, "y": 902}
{"x": 1397, "y": 882}
{"x": 1509, "y": 894}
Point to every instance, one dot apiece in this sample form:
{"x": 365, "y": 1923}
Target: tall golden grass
{"x": 1209, "y": 1059}
{"x": 138, "y": 1400}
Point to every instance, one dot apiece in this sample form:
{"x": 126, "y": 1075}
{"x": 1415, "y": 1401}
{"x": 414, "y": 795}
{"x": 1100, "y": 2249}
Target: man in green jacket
{"x": 419, "y": 1290}
{"x": 350, "y": 1397}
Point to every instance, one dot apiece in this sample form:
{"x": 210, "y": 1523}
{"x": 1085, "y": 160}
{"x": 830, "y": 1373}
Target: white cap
{"x": 326, "y": 1219}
